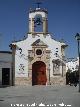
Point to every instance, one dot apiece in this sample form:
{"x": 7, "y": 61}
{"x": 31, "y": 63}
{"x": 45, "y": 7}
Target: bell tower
{"x": 38, "y": 22}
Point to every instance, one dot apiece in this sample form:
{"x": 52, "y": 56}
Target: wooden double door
{"x": 39, "y": 73}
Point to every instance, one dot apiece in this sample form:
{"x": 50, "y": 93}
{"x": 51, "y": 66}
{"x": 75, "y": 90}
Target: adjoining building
{"x": 38, "y": 59}
{"x": 72, "y": 71}
{"x": 5, "y": 68}
{"x": 72, "y": 64}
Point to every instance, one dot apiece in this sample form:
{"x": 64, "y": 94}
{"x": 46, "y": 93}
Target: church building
{"x": 38, "y": 59}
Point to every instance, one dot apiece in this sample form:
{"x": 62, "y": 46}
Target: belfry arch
{"x": 40, "y": 21}
{"x": 39, "y": 73}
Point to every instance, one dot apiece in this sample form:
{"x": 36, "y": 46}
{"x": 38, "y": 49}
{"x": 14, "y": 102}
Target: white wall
{"x": 25, "y": 45}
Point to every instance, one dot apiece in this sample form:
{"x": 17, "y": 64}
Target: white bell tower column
{"x": 45, "y": 25}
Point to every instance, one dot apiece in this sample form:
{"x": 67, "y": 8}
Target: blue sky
{"x": 63, "y": 21}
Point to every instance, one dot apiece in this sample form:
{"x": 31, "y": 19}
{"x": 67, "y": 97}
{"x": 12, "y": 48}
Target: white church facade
{"x": 38, "y": 59}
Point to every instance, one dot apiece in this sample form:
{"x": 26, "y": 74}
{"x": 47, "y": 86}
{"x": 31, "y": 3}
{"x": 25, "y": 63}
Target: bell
{"x": 38, "y": 21}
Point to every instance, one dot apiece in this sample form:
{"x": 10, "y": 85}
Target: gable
{"x": 38, "y": 42}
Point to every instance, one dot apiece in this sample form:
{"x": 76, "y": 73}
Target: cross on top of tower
{"x": 38, "y": 4}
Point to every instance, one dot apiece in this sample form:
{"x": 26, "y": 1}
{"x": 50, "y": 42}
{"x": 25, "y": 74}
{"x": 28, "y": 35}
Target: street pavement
{"x": 39, "y": 96}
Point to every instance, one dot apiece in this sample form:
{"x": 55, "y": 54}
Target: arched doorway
{"x": 39, "y": 73}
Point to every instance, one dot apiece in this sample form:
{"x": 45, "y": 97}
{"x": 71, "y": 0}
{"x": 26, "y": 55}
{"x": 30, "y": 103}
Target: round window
{"x": 38, "y": 51}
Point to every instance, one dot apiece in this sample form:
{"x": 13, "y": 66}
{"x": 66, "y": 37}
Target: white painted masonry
{"x": 25, "y": 45}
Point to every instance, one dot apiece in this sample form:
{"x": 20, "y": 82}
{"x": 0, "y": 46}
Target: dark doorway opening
{"x": 5, "y": 76}
{"x": 39, "y": 73}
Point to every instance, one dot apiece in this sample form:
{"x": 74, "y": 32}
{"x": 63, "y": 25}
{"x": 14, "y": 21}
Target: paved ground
{"x": 52, "y": 96}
